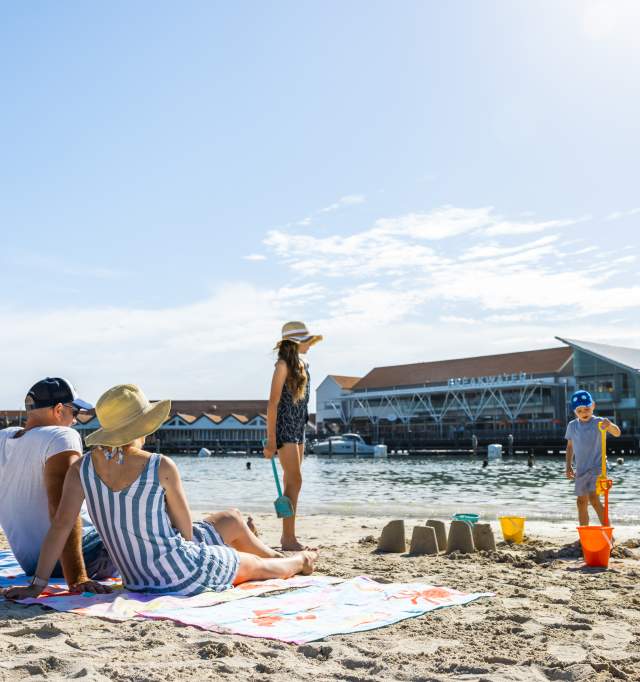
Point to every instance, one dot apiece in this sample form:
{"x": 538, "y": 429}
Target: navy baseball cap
{"x": 581, "y": 399}
{"x": 51, "y": 391}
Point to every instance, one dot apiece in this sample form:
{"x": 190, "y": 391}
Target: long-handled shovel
{"x": 604, "y": 484}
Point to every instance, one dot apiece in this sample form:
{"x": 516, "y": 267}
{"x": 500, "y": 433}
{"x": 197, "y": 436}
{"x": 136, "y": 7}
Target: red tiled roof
{"x": 536, "y": 362}
{"x": 219, "y": 407}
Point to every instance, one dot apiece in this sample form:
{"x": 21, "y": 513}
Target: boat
{"x": 347, "y": 444}
{"x": 204, "y": 452}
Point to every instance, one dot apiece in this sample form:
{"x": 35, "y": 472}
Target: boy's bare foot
{"x": 252, "y": 526}
{"x": 309, "y": 559}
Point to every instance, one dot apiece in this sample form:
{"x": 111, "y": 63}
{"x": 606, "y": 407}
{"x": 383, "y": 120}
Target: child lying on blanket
{"x": 137, "y": 503}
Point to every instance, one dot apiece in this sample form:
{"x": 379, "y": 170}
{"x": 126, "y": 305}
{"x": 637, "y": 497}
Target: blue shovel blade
{"x": 283, "y": 506}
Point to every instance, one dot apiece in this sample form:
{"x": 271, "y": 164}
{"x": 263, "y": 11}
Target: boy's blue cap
{"x": 581, "y": 399}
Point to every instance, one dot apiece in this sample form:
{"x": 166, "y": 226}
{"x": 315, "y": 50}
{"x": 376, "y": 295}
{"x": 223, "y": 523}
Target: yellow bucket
{"x": 513, "y": 528}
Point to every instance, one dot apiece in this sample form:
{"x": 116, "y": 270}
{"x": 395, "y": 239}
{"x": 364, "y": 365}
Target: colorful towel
{"x": 11, "y": 574}
{"x": 123, "y": 605}
{"x": 319, "y": 607}
{"x": 316, "y": 612}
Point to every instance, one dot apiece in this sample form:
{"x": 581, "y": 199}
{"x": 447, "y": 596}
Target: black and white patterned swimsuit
{"x": 292, "y": 417}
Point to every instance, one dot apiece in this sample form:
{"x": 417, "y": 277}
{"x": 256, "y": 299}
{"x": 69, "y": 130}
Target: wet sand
{"x": 551, "y": 619}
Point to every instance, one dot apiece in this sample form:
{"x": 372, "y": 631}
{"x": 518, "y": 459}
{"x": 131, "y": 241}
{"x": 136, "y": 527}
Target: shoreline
{"x": 551, "y": 619}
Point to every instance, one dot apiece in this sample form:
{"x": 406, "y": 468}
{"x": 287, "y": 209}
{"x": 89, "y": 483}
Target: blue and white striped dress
{"x": 150, "y": 554}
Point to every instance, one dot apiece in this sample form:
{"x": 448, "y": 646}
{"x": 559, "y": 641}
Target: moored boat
{"x": 346, "y": 444}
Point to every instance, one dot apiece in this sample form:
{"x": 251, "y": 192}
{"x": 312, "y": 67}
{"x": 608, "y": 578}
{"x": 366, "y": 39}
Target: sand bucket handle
{"x": 608, "y": 540}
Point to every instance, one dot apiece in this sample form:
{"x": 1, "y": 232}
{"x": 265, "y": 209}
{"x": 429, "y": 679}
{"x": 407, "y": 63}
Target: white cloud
{"x": 617, "y": 215}
{"x": 440, "y": 223}
{"x": 454, "y": 319}
{"x": 366, "y": 253}
{"x": 217, "y": 347}
{"x": 517, "y": 228}
{"x": 497, "y": 250}
{"x": 255, "y": 257}
{"x": 491, "y": 274}
{"x": 348, "y": 200}
{"x": 422, "y": 286}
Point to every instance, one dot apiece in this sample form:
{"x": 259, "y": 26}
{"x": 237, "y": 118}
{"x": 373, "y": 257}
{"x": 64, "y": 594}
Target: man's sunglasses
{"x": 74, "y": 410}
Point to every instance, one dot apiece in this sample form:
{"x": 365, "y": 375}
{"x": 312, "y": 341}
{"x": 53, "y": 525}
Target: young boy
{"x": 584, "y": 445}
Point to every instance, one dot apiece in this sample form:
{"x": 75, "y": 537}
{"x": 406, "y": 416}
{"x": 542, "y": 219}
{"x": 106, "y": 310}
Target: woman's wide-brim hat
{"x": 125, "y": 414}
{"x": 298, "y": 333}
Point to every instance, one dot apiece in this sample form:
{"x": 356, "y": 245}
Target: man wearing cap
{"x": 34, "y": 461}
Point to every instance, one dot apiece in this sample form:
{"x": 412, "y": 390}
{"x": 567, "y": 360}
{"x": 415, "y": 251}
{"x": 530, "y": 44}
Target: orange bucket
{"x": 596, "y": 544}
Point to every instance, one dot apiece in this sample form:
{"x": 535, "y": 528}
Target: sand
{"x": 551, "y": 619}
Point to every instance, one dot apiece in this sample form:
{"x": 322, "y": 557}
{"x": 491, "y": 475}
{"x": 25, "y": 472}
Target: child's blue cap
{"x": 581, "y": 399}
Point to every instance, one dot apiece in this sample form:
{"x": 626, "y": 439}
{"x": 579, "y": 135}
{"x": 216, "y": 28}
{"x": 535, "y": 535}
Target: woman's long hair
{"x": 296, "y": 376}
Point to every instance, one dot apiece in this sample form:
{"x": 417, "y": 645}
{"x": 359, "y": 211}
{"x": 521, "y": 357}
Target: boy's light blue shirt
{"x": 587, "y": 447}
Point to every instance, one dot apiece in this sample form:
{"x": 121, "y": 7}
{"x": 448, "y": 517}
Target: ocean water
{"x": 407, "y": 486}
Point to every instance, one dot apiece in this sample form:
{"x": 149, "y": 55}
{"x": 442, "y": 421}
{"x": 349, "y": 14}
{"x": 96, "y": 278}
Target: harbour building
{"x": 524, "y": 394}
{"x": 218, "y": 425}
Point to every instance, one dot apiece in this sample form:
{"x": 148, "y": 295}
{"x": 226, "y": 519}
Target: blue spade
{"x": 283, "y": 505}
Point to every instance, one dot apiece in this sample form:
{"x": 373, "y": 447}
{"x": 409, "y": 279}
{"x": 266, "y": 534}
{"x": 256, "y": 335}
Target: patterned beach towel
{"x": 123, "y": 605}
{"x": 11, "y": 574}
{"x": 319, "y": 607}
{"x": 316, "y": 612}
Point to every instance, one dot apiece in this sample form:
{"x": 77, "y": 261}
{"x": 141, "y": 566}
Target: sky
{"x": 416, "y": 181}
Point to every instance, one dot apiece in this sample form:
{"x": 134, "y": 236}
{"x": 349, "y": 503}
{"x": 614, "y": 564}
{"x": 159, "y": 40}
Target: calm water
{"x": 415, "y": 486}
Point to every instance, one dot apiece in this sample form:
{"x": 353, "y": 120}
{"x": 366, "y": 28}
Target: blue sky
{"x": 416, "y": 180}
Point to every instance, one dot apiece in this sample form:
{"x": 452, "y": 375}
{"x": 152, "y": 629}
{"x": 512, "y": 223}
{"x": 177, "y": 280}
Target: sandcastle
{"x": 392, "y": 538}
{"x": 441, "y": 533}
{"x": 432, "y": 538}
{"x": 483, "y": 537}
{"x": 460, "y": 538}
{"x": 424, "y": 540}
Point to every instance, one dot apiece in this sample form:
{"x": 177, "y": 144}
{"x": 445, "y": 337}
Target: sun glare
{"x": 611, "y": 19}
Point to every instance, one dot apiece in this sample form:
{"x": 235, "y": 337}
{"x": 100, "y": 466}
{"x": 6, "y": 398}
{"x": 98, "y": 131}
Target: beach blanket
{"x": 11, "y": 574}
{"x": 123, "y": 605}
{"x": 311, "y": 608}
{"x": 316, "y": 612}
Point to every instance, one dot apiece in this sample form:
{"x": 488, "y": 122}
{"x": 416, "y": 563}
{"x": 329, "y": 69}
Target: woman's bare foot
{"x": 252, "y": 526}
{"x": 309, "y": 561}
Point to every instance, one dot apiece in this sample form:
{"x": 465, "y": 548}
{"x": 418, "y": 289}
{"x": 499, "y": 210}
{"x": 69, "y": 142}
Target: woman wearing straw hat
{"x": 137, "y": 504}
{"x": 287, "y": 417}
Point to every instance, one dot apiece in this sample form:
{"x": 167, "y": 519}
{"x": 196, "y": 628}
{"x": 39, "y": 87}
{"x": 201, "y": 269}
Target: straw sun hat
{"x": 298, "y": 333}
{"x": 125, "y": 414}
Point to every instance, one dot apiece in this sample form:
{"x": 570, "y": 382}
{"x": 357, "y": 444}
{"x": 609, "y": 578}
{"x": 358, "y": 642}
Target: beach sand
{"x": 551, "y": 619}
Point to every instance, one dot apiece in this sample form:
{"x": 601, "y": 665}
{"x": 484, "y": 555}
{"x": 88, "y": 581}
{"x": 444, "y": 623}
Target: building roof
{"x": 218, "y": 407}
{"x": 537, "y": 362}
{"x": 346, "y": 383}
{"x": 629, "y": 358}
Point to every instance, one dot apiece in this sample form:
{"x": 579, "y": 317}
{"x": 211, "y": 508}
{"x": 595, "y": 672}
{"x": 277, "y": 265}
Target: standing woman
{"x": 287, "y": 416}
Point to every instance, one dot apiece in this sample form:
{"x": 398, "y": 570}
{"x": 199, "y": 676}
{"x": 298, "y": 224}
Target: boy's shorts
{"x": 585, "y": 481}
